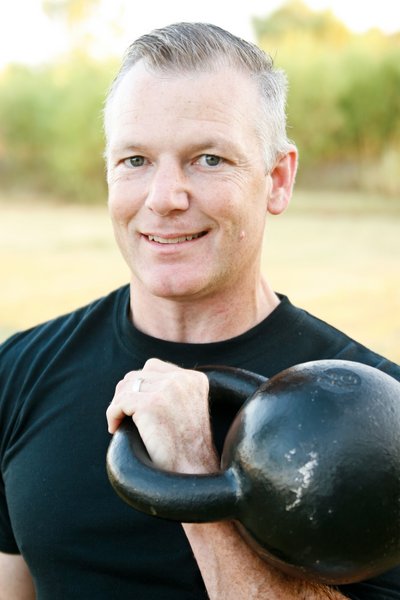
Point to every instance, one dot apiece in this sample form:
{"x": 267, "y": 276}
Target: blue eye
{"x": 211, "y": 160}
{"x": 135, "y": 161}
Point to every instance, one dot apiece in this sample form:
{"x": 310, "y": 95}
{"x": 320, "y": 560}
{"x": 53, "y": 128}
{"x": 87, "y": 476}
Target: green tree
{"x": 51, "y": 136}
{"x": 344, "y": 101}
{"x": 296, "y": 19}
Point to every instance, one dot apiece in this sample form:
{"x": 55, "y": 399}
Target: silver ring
{"x": 137, "y": 384}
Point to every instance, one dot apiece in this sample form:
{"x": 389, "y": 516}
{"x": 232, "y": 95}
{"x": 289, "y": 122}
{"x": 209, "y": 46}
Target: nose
{"x": 168, "y": 190}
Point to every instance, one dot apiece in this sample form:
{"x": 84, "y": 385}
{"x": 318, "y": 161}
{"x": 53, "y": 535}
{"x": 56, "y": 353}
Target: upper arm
{"x": 15, "y": 579}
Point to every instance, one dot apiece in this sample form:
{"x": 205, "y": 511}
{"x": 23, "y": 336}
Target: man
{"x": 197, "y": 156}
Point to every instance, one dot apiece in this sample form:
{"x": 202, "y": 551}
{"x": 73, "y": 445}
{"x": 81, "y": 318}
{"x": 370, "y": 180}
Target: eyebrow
{"x": 126, "y": 147}
{"x": 219, "y": 144}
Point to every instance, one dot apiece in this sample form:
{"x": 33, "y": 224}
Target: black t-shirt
{"x": 57, "y": 507}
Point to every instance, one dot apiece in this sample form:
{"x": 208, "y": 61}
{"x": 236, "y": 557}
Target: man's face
{"x": 188, "y": 188}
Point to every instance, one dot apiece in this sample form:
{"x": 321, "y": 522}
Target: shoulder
{"x": 314, "y": 339}
{"x": 40, "y": 343}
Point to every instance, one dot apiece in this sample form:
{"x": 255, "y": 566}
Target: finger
{"x": 115, "y": 413}
{"x": 160, "y": 366}
{"x": 118, "y": 410}
{"x": 123, "y": 403}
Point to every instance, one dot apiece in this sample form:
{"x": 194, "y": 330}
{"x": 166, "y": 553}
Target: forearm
{"x": 15, "y": 579}
{"x": 232, "y": 571}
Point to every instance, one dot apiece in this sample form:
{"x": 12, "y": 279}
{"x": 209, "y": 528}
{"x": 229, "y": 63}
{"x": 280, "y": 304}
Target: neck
{"x": 203, "y": 320}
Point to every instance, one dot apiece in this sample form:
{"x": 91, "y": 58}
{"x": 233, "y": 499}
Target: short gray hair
{"x": 188, "y": 47}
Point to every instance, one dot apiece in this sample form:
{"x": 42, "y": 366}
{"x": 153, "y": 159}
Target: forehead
{"x": 144, "y": 97}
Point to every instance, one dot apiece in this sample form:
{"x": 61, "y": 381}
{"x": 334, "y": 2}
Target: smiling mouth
{"x": 176, "y": 240}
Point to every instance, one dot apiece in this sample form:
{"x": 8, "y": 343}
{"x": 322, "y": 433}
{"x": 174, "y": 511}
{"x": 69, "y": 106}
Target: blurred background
{"x": 335, "y": 252}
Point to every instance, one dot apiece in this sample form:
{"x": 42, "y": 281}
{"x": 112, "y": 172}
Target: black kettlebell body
{"x": 310, "y": 472}
{"x": 317, "y": 452}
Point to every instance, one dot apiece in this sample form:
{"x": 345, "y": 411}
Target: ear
{"x": 282, "y": 176}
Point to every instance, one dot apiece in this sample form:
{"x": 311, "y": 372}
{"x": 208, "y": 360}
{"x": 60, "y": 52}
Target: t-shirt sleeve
{"x": 7, "y": 539}
{"x": 382, "y": 587}
{"x": 8, "y": 357}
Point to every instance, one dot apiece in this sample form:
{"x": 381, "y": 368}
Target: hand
{"x": 171, "y": 412}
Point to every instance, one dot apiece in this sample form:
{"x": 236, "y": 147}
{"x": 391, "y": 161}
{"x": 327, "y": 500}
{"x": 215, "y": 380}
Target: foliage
{"x": 344, "y": 100}
{"x": 51, "y": 135}
{"x": 295, "y": 16}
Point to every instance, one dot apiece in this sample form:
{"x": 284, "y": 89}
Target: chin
{"x": 177, "y": 293}
{"x": 173, "y": 289}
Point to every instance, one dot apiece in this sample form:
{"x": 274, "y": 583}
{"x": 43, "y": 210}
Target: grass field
{"x": 337, "y": 256}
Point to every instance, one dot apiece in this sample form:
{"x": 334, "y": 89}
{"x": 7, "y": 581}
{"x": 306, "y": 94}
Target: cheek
{"x": 122, "y": 204}
{"x": 116, "y": 209}
{"x": 252, "y": 224}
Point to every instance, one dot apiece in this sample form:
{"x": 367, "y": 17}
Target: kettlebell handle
{"x": 149, "y": 489}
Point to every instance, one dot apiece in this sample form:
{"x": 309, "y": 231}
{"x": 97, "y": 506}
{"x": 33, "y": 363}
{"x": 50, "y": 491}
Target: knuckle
{"x": 130, "y": 375}
{"x": 119, "y": 386}
{"x": 152, "y": 363}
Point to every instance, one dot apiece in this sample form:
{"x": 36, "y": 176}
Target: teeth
{"x": 177, "y": 240}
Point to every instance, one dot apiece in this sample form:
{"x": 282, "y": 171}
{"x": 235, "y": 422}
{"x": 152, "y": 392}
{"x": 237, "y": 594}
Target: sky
{"x": 27, "y": 35}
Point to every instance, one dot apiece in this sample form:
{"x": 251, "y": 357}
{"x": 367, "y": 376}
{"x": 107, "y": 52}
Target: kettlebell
{"x": 310, "y": 470}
